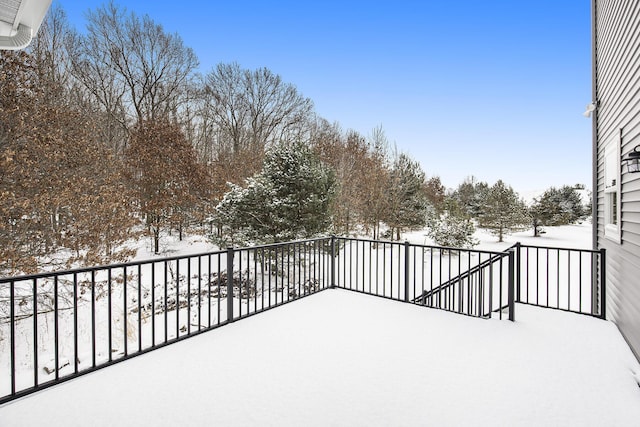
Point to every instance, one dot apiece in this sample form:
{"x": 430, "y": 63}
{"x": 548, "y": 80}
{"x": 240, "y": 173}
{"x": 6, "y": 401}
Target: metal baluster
{"x": 139, "y": 307}
{"x": 55, "y": 326}
{"x": 188, "y": 296}
{"x": 12, "y": 319}
{"x": 35, "y": 332}
{"x": 75, "y": 323}
{"x": 124, "y": 323}
{"x": 199, "y": 293}
{"x": 209, "y": 291}
{"x": 109, "y": 315}
{"x": 166, "y": 301}
{"x": 153, "y": 304}
{"x": 177, "y": 298}
{"x": 580, "y": 282}
{"x": 93, "y": 318}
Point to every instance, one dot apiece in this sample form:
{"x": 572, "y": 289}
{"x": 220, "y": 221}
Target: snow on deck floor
{"x": 344, "y": 359}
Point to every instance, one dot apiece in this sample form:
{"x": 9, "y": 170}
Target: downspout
{"x": 19, "y": 40}
{"x": 594, "y": 127}
{"x": 597, "y": 287}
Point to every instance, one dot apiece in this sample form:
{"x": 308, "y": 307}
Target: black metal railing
{"x": 562, "y": 278}
{"x": 56, "y": 326}
{"x": 465, "y": 281}
{"x": 474, "y": 274}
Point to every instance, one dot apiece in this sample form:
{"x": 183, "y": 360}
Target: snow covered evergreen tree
{"x": 289, "y": 199}
{"x": 451, "y": 228}
{"x": 557, "y": 206}
{"x": 407, "y": 196}
{"x": 503, "y": 212}
{"x": 471, "y": 196}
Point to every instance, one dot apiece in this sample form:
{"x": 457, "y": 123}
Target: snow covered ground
{"x": 569, "y": 236}
{"x": 576, "y": 236}
{"x": 339, "y": 358}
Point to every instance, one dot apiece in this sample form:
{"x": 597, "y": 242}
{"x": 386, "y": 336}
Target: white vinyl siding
{"x": 616, "y": 67}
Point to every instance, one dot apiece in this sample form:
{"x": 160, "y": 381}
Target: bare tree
{"x": 50, "y": 57}
{"x": 374, "y": 200}
{"x": 131, "y": 62}
{"x": 275, "y": 107}
{"x": 247, "y": 111}
{"x": 100, "y": 81}
{"x": 227, "y": 106}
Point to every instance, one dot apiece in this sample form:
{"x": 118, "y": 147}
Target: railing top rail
{"x": 473, "y": 270}
{"x": 42, "y": 275}
{"x": 561, "y": 249}
{"x": 291, "y": 242}
{"x": 446, "y": 248}
{"x": 80, "y": 270}
{"x": 359, "y": 239}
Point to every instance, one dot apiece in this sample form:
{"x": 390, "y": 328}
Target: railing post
{"x": 406, "y": 271}
{"x": 511, "y": 284}
{"x": 603, "y": 283}
{"x": 518, "y": 271}
{"x": 230, "y": 284}
{"x": 333, "y": 261}
{"x": 12, "y": 327}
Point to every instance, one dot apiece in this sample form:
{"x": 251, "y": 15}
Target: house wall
{"x": 617, "y": 118}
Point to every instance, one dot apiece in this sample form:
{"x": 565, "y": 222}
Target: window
{"x": 612, "y": 190}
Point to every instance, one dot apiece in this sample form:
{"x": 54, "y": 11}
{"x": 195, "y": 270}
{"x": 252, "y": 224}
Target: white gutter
{"x": 19, "y": 40}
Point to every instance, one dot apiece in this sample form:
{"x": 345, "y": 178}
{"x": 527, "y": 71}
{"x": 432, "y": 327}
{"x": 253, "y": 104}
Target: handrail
{"x": 475, "y": 269}
{"x": 25, "y": 277}
{"x": 557, "y": 248}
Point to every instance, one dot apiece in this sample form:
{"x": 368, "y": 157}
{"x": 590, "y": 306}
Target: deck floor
{"x": 345, "y": 359}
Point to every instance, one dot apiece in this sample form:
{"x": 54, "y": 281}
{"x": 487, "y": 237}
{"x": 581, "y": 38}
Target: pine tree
{"x": 451, "y": 228}
{"x": 289, "y": 199}
{"x": 407, "y": 196}
{"x": 471, "y": 196}
{"x": 557, "y": 207}
{"x": 503, "y": 212}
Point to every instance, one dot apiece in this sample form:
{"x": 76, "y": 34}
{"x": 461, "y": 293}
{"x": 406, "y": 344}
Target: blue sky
{"x": 492, "y": 89}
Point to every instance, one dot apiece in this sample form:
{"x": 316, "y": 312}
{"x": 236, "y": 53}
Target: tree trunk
{"x": 156, "y": 240}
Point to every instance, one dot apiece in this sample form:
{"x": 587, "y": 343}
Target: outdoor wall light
{"x": 590, "y": 109}
{"x": 633, "y": 160}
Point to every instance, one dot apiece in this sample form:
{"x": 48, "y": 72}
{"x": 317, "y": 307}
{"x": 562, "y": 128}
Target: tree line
{"x": 500, "y": 210}
{"x": 112, "y": 133}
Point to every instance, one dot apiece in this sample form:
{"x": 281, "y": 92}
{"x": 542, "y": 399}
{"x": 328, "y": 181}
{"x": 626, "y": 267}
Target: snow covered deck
{"x": 340, "y": 358}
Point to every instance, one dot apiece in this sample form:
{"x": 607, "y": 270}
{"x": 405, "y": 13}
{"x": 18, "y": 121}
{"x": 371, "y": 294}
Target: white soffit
{"x": 19, "y": 21}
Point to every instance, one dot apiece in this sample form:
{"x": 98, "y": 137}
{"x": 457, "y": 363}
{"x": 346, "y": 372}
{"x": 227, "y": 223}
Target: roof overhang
{"x": 20, "y": 21}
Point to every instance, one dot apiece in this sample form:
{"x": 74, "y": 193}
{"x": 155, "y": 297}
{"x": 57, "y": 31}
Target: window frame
{"x": 611, "y": 192}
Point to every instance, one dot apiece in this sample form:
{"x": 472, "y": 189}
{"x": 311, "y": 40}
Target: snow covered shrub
{"x": 451, "y": 230}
